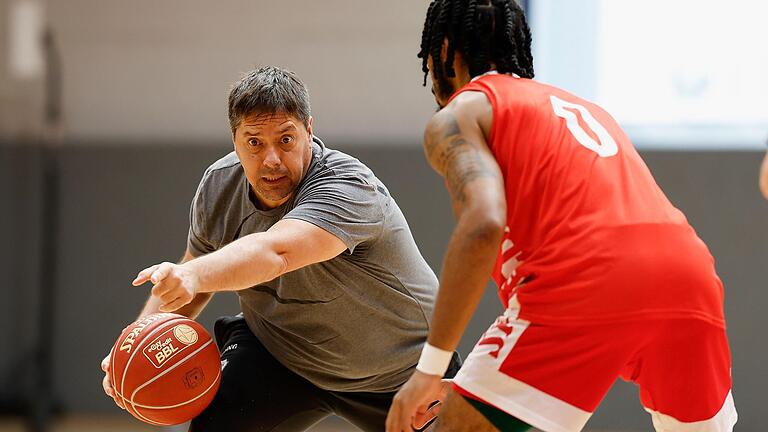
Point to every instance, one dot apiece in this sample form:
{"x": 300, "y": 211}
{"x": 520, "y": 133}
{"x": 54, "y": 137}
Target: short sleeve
{"x": 347, "y": 207}
{"x": 197, "y": 239}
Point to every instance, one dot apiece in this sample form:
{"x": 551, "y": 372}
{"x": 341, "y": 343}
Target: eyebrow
{"x": 288, "y": 126}
{"x": 285, "y": 128}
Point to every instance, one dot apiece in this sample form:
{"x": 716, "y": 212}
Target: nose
{"x": 272, "y": 158}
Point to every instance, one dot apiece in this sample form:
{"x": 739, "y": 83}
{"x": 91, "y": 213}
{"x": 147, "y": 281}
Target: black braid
{"x": 425, "y": 37}
{"x": 487, "y": 32}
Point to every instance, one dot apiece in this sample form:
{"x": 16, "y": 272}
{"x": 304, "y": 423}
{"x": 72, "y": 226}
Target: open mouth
{"x": 273, "y": 179}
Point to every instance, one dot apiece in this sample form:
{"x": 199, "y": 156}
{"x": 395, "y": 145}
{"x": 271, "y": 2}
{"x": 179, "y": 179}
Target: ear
{"x": 309, "y": 126}
{"x": 234, "y": 132}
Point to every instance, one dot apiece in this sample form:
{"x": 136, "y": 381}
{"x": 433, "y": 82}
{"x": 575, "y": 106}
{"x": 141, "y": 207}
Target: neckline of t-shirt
{"x": 492, "y": 72}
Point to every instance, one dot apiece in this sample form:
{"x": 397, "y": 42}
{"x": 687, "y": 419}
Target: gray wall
{"x": 149, "y": 70}
{"x": 123, "y": 207}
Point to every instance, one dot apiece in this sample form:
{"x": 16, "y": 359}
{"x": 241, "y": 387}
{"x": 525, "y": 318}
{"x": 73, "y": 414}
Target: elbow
{"x": 276, "y": 265}
{"x": 486, "y": 228}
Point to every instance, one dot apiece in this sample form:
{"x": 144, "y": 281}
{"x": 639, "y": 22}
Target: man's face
{"x": 275, "y": 151}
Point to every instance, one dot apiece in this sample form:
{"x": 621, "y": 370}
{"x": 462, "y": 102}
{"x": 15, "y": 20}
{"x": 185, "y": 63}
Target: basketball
{"x": 165, "y": 368}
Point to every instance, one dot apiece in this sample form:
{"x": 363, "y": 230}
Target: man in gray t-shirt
{"x": 335, "y": 296}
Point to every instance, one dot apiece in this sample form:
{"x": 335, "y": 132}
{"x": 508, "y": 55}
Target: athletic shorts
{"x": 257, "y": 393}
{"x": 553, "y": 377}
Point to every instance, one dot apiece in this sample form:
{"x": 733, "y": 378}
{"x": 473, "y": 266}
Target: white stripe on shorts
{"x": 480, "y": 376}
{"x": 723, "y": 421}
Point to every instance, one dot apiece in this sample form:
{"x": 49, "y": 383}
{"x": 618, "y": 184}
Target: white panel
{"x": 25, "y": 24}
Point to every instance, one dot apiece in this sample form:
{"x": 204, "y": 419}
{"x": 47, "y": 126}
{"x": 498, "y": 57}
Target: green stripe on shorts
{"x": 503, "y": 421}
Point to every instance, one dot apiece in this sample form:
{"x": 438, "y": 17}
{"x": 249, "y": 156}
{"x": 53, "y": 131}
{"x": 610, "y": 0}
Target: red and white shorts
{"x": 553, "y": 377}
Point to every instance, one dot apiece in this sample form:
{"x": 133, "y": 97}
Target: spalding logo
{"x": 127, "y": 344}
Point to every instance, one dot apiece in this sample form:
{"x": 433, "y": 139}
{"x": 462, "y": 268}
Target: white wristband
{"x": 433, "y": 360}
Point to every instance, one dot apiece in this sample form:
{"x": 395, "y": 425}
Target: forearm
{"x": 467, "y": 266}
{"x": 191, "y": 310}
{"x": 241, "y": 264}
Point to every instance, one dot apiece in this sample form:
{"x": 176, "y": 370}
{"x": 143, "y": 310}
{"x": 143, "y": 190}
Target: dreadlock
{"x": 486, "y": 32}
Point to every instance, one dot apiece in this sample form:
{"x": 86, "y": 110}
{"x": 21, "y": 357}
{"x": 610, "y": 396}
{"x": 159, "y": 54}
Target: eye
{"x": 253, "y": 142}
{"x": 287, "y": 139}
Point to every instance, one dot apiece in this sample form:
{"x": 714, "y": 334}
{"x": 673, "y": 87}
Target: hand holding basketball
{"x": 174, "y": 284}
{"x": 107, "y": 383}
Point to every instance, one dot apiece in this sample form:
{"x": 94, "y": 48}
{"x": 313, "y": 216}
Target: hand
{"x": 106, "y": 383}
{"x": 764, "y": 176}
{"x": 174, "y": 284}
{"x": 424, "y": 417}
{"x": 410, "y": 407}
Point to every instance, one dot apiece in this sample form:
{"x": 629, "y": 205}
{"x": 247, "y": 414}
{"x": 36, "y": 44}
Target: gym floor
{"x": 119, "y": 424}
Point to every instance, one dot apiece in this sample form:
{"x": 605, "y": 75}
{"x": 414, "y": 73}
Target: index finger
{"x": 425, "y": 416}
{"x": 144, "y": 275}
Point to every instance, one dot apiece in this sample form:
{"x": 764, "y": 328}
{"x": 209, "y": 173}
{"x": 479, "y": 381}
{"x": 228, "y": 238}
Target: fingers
{"x": 764, "y": 184}
{"x": 106, "y": 384}
{"x": 161, "y": 272}
{"x": 164, "y": 291}
{"x": 406, "y": 418}
{"x": 764, "y": 176}
{"x": 155, "y": 274}
{"x": 425, "y": 414}
{"x": 144, "y": 275}
{"x": 399, "y": 418}
{"x": 173, "y": 305}
{"x": 105, "y": 363}
{"x": 392, "y": 416}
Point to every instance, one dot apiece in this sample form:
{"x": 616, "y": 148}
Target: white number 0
{"x": 605, "y": 148}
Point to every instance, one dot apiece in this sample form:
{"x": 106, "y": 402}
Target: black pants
{"x": 257, "y": 393}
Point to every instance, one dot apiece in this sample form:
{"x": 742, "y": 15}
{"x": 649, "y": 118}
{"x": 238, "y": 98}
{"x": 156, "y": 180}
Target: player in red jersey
{"x": 600, "y": 275}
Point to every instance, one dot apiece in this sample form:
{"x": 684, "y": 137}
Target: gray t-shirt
{"x": 353, "y": 323}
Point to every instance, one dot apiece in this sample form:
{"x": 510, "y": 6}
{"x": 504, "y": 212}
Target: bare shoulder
{"x": 456, "y": 145}
{"x": 474, "y": 106}
{"x": 469, "y": 109}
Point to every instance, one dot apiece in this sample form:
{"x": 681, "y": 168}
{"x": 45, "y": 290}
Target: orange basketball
{"x": 166, "y": 369}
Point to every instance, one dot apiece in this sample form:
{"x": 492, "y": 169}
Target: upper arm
{"x": 456, "y": 147}
{"x": 300, "y": 243}
{"x": 197, "y": 237}
{"x": 344, "y": 204}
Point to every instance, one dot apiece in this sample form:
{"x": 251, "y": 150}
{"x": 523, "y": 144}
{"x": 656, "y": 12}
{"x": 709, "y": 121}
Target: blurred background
{"x": 110, "y": 111}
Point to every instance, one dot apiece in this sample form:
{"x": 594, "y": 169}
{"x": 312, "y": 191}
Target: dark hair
{"x": 486, "y": 32}
{"x": 268, "y": 90}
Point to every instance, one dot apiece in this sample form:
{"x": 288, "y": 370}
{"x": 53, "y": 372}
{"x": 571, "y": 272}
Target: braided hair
{"x": 486, "y": 32}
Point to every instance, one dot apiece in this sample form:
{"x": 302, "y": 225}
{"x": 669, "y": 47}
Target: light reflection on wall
{"x": 680, "y": 74}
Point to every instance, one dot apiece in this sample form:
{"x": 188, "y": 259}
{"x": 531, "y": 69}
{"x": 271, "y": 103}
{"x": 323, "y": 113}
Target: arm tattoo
{"x": 456, "y": 159}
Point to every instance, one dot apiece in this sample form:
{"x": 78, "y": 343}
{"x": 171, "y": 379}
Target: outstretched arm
{"x": 256, "y": 258}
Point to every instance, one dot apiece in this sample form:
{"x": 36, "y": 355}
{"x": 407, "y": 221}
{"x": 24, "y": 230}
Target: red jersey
{"x": 590, "y": 236}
